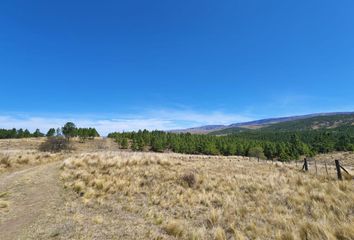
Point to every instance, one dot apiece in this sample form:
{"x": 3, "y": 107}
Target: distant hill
{"x": 297, "y": 123}
{"x": 200, "y": 130}
{"x": 310, "y": 121}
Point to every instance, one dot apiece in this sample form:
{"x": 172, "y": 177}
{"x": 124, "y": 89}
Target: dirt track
{"x": 31, "y": 193}
{"x": 40, "y": 208}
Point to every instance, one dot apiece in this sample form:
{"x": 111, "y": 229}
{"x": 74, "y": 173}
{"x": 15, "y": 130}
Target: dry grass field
{"x": 99, "y": 192}
{"x": 10, "y": 160}
{"x": 25, "y": 144}
{"x": 19, "y": 153}
{"x": 199, "y": 197}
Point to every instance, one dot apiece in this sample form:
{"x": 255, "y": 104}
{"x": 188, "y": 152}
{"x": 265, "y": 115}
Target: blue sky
{"x": 124, "y": 65}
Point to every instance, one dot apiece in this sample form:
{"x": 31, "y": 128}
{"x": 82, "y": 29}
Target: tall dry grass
{"x": 199, "y": 197}
{"x": 16, "y": 159}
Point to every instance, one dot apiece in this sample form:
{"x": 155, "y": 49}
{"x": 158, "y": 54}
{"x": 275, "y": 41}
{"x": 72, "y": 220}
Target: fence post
{"x": 326, "y": 167}
{"x": 305, "y": 166}
{"x": 339, "y": 173}
{"x": 315, "y": 165}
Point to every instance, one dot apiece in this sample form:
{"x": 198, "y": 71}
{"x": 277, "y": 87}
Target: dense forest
{"x": 283, "y": 146}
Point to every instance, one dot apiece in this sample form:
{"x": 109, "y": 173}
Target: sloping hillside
{"x": 312, "y": 123}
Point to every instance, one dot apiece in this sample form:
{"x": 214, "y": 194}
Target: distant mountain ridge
{"x": 262, "y": 123}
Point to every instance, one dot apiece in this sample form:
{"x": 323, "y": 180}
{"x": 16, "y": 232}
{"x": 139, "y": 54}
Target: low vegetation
{"x": 55, "y": 144}
{"x": 15, "y": 159}
{"x": 204, "y": 197}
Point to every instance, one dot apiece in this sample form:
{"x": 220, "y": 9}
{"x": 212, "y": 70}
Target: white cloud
{"x": 151, "y": 120}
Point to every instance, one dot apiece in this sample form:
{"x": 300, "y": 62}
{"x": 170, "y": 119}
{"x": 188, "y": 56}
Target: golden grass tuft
{"x": 97, "y": 219}
{"x": 174, "y": 228}
{"x": 219, "y": 234}
{"x": 4, "y": 204}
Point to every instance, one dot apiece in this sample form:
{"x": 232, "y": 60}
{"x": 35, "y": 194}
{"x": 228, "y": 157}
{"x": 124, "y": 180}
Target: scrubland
{"x": 201, "y": 197}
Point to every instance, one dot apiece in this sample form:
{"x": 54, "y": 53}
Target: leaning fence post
{"x": 339, "y": 174}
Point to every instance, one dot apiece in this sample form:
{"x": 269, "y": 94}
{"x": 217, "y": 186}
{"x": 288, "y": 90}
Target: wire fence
{"x": 334, "y": 168}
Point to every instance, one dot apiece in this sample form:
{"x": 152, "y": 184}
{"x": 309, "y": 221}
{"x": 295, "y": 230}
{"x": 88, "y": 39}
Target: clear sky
{"x": 123, "y": 65}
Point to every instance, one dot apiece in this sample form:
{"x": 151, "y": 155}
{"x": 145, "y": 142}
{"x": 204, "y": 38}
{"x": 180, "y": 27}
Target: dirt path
{"x": 31, "y": 193}
{"x": 40, "y": 208}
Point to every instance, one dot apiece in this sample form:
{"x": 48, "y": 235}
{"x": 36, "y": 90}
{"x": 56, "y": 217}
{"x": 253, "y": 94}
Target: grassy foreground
{"x": 200, "y": 197}
{"x": 10, "y": 160}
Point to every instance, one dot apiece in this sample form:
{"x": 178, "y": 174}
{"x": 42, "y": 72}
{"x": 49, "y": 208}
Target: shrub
{"x": 190, "y": 179}
{"x": 55, "y": 144}
{"x": 5, "y": 160}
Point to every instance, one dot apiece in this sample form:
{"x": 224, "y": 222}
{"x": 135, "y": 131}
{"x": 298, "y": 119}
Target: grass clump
{"x": 79, "y": 187}
{"x": 4, "y": 204}
{"x": 189, "y": 178}
{"x": 174, "y": 228}
{"x": 5, "y": 161}
{"x": 219, "y": 234}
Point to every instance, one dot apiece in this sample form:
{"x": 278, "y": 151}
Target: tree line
{"x": 69, "y": 130}
{"x": 283, "y": 146}
{"x": 19, "y": 133}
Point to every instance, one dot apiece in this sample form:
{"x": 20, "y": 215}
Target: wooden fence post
{"x": 326, "y": 167}
{"x": 339, "y": 173}
{"x": 305, "y": 166}
{"x": 315, "y": 165}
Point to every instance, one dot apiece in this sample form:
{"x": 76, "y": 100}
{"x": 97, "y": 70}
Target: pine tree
{"x": 51, "y": 132}
{"x": 124, "y": 143}
{"x": 37, "y": 133}
{"x": 69, "y": 130}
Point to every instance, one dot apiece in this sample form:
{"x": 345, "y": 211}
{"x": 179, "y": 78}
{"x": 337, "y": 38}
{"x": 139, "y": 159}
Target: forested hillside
{"x": 317, "y": 122}
{"x": 279, "y": 145}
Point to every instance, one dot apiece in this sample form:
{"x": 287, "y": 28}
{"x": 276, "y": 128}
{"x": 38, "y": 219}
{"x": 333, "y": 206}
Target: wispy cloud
{"x": 151, "y": 120}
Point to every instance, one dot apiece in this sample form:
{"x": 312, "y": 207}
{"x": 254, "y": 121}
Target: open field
{"x": 98, "y": 144}
{"x": 215, "y": 198}
{"x": 99, "y": 192}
